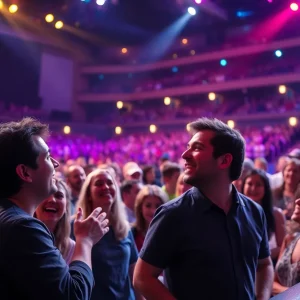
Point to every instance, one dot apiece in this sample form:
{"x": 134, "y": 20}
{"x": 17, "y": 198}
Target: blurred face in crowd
{"x": 296, "y": 214}
{"x": 52, "y": 209}
{"x": 291, "y": 174}
{"x": 76, "y": 178}
{"x": 150, "y": 204}
{"x": 254, "y": 188}
{"x": 129, "y": 198}
{"x": 102, "y": 191}
{"x": 260, "y": 165}
{"x": 150, "y": 176}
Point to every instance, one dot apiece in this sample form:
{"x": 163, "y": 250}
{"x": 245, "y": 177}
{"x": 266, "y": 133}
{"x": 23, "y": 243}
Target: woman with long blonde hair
{"x": 54, "y": 212}
{"x": 115, "y": 255}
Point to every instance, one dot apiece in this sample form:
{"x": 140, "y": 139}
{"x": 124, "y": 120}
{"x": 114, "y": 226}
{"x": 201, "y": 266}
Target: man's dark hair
{"x": 226, "y": 140}
{"x": 169, "y": 168}
{"x": 17, "y": 147}
{"x": 127, "y": 185}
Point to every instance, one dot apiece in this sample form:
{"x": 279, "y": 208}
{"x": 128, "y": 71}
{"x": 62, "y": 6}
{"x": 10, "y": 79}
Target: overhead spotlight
{"x": 198, "y": 1}
{"x": 100, "y": 2}
{"x": 294, "y": 6}
{"x": 191, "y": 11}
{"x": 278, "y": 53}
{"x": 49, "y": 18}
{"x": 59, "y": 25}
{"x": 13, "y": 8}
{"x": 223, "y": 62}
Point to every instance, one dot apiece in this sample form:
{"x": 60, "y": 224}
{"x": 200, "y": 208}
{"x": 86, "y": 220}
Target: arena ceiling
{"x": 135, "y": 21}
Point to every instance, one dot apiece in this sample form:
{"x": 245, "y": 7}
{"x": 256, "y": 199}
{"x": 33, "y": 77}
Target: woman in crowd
{"x": 256, "y": 186}
{"x": 115, "y": 255}
{"x": 147, "y": 201}
{"x": 54, "y": 212}
{"x": 287, "y": 271}
{"x": 285, "y": 195}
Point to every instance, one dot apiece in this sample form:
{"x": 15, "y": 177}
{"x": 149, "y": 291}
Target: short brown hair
{"x": 169, "y": 168}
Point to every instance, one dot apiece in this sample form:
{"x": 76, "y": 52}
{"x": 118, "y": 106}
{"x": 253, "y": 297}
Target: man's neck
{"x": 24, "y": 202}
{"x": 219, "y": 194}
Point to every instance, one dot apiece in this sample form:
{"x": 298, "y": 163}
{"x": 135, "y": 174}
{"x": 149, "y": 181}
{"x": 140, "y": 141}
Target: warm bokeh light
{"x": 1, "y": 4}
{"x": 184, "y": 41}
{"x": 67, "y": 129}
{"x": 230, "y": 123}
{"x": 193, "y": 52}
{"x": 118, "y": 130}
{"x": 175, "y": 56}
{"x": 294, "y": 6}
{"x": 293, "y": 121}
{"x": 49, "y": 18}
{"x": 152, "y": 128}
{"x": 188, "y": 127}
{"x": 282, "y": 89}
{"x": 120, "y": 104}
{"x": 167, "y": 100}
{"x": 212, "y": 96}
{"x": 13, "y": 8}
{"x": 59, "y": 25}
{"x": 124, "y": 50}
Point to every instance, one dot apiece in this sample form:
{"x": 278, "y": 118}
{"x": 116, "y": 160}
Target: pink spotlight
{"x": 270, "y": 1}
{"x": 198, "y": 1}
{"x": 294, "y": 6}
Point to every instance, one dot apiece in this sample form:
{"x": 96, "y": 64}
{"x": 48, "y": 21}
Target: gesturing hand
{"x": 93, "y": 228}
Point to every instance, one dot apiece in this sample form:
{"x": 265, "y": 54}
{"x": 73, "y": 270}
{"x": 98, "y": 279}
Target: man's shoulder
{"x": 12, "y": 218}
{"x": 178, "y": 205}
{"x": 251, "y": 206}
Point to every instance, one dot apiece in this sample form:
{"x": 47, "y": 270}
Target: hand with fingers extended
{"x": 93, "y": 228}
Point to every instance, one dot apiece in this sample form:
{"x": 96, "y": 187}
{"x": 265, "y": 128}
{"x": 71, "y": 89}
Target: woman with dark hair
{"x": 149, "y": 175}
{"x": 256, "y": 186}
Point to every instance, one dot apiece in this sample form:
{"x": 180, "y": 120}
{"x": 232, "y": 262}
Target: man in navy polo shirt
{"x": 211, "y": 241}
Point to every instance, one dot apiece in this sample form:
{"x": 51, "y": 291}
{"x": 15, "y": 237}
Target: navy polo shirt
{"x": 207, "y": 254}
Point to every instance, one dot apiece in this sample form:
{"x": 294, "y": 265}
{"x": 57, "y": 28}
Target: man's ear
{"x": 24, "y": 173}
{"x": 225, "y": 161}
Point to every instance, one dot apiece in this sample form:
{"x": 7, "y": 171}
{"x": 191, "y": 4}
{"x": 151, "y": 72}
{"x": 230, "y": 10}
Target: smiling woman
{"x": 114, "y": 257}
{"x": 55, "y": 213}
